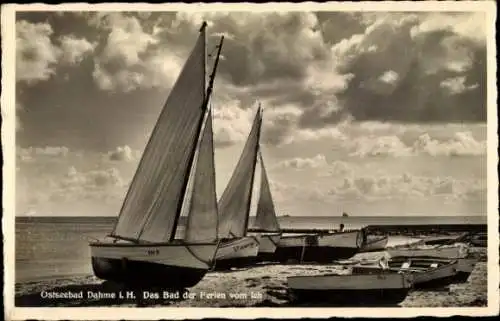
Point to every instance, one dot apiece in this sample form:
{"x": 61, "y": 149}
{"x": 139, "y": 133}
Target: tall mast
{"x": 259, "y": 111}
{"x": 200, "y": 124}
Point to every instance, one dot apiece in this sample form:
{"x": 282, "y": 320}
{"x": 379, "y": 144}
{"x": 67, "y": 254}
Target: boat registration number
{"x": 153, "y": 252}
{"x": 242, "y": 247}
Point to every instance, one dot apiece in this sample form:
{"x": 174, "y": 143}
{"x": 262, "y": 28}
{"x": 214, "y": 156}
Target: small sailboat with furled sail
{"x": 237, "y": 248}
{"x": 176, "y": 173}
{"x": 303, "y": 247}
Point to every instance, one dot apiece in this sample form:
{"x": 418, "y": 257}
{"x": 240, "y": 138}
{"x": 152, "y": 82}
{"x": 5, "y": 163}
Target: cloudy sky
{"x": 371, "y": 113}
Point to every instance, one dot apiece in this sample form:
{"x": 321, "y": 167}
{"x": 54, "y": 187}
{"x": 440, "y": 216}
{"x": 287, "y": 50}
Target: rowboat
{"x": 424, "y": 272}
{"x": 480, "y": 240}
{"x": 442, "y": 240}
{"x": 464, "y": 270}
{"x": 350, "y": 290}
{"x": 176, "y": 175}
{"x": 375, "y": 244}
{"x": 444, "y": 252}
{"x": 320, "y": 248}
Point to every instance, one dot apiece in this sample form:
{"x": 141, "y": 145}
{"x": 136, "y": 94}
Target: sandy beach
{"x": 263, "y": 285}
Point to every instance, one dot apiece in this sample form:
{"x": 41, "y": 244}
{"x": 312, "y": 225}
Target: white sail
{"x": 202, "y": 218}
{"x": 266, "y": 213}
{"x": 152, "y": 205}
{"x": 234, "y": 205}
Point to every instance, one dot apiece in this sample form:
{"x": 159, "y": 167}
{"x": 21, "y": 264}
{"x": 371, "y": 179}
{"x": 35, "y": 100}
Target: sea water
{"x": 57, "y": 247}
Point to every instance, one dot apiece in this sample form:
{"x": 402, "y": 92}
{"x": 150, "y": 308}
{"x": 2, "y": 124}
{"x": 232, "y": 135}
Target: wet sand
{"x": 263, "y": 285}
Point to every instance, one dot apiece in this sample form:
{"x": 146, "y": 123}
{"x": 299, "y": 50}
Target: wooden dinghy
{"x": 480, "y": 240}
{"x": 351, "y": 290}
{"x": 320, "y": 248}
{"x": 444, "y": 252}
{"x": 175, "y": 175}
{"x": 464, "y": 270}
{"x": 425, "y": 272}
{"x": 374, "y": 244}
{"x": 443, "y": 240}
{"x": 238, "y": 249}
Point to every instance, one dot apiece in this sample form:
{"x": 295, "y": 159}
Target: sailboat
{"x": 265, "y": 219}
{"x": 312, "y": 247}
{"x": 176, "y": 173}
{"x": 237, "y": 248}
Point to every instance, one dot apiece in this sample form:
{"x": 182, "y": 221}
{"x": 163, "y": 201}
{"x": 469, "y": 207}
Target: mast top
{"x": 203, "y": 26}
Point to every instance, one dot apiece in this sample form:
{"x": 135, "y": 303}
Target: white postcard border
{"x": 9, "y": 169}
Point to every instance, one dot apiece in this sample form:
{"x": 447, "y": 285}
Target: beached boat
{"x": 480, "y": 240}
{"x": 425, "y": 272}
{"x": 445, "y": 252}
{"x": 265, "y": 219}
{"x": 360, "y": 289}
{"x": 175, "y": 175}
{"x": 464, "y": 270}
{"x": 443, "y": 240}
{"x": 321, "y": 248}
{"x": 375, "y": 244}
{"x": 237, "y": 248}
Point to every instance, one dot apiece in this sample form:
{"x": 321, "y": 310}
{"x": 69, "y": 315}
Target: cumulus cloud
{"x": 122, "y": 153}
{"x": 301, "y": 163}
{"x": 462, "y": 144}
{"x": 349, "y": 186}
{"x": 31, "y": 153}
{"x": 131, "y": 58}
{"x": 92, "y": 179}
{"x": 36, "y": 55}
{"x": 40, "y": 186}
{"x": 309, "y": 135}
{"x": 74, "y": 49}
{"x": 408, "y": 185}
{"x": 423, "y": 52}
{"x": 378, "y": 146}
{"x": 231, "y": 123}
{"x": 288, "y": 65}
{"x": 457, "y": 85}
{"x": 340, "y": 180}
{"x": 311, "y": 71}
{"x": 98, "y": 185}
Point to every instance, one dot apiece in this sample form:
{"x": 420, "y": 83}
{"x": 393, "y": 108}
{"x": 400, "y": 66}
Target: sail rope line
{"x": 209, "y": 262}
{"x": 205, "y": 137}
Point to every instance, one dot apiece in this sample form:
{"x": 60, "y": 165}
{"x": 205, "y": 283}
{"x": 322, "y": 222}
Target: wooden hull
{"x": 480, "y": 240}
{"x": 441, "y": 240}
{"x": 479, "y": 243}
{"x": 170, "y": 265}
{"x": 238, "y": 252}
{"x": 267, "y": 247}
{"x": 434, "y": 278}
{"x": 350, "y": 290}
{"x": 269, "y": 243}
{"x": 422, "y": 273}
{"x": 375, "y": 245}
{"x": 464, "y": 270}
{"x": 321, "y": 248}
{"x": 454, "y": 252}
